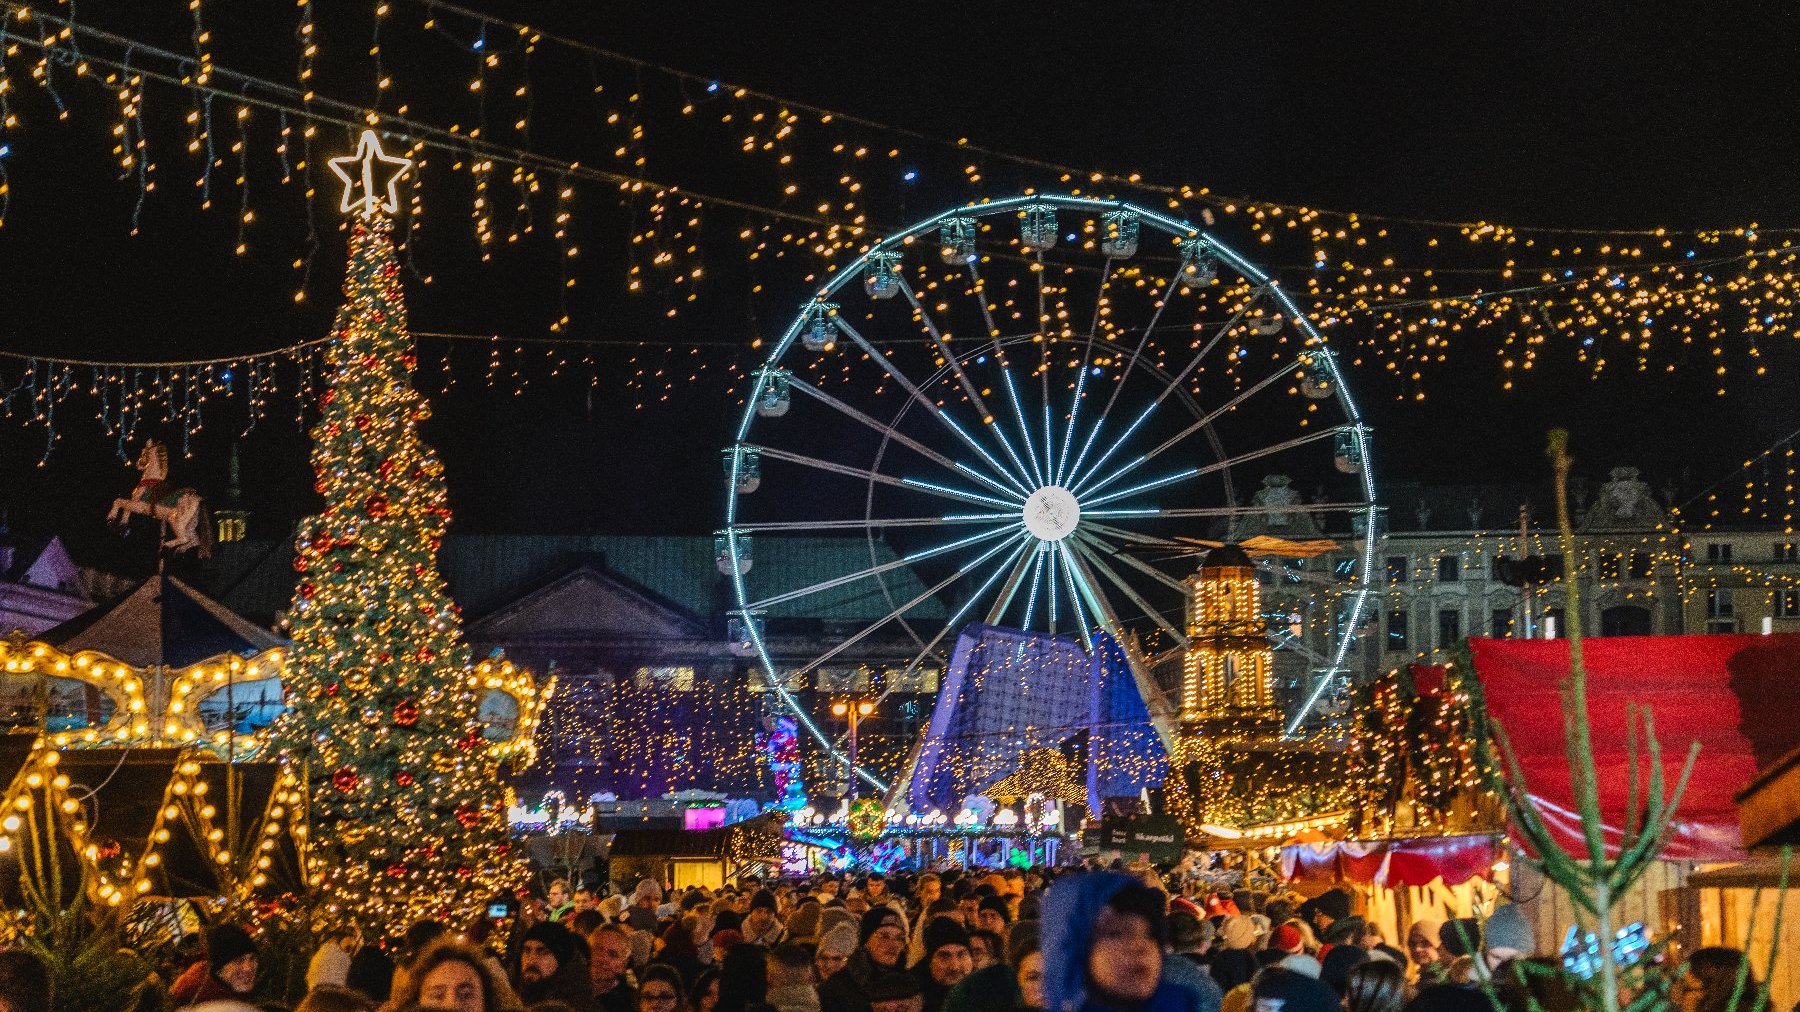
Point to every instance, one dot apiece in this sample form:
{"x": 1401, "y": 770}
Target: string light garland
{"x": 1411, "y": 296}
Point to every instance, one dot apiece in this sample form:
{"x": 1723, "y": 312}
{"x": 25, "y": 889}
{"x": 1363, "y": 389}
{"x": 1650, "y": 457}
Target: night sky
{"x": 1627, "y": 116}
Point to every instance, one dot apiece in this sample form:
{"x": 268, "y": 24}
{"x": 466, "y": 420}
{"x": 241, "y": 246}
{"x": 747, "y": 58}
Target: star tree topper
{"x": 362, "y": 193}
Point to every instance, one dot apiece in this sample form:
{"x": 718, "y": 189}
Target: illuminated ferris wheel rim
{"x": 1048, "y": 508}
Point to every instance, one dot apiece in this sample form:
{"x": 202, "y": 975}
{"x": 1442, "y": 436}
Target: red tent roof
{"x": 1733, "y": 694}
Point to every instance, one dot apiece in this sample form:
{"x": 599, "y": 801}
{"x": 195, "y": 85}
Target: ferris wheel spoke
{"x": 910, "y": 604}
{"x": 847, "y": 578}
{"x": 1162, "y": 712}
{"x": 1012, "y": 393}
{"x": 1018, "y": 555}
{"x": 1175, "y": 381}
{"x": 1165, "y": 480}
{"x": 937, "y": 335}
{"x": 1062, "y": 460}
{"x": 1162, "y": 303}
{"x": 1031, "y": 597}
{"x": 1226, "y": 511}
{"x": 897, "y": 436}
{"x": 944, "y": 491}
{"x": 1069, "y": 578}
{"x": 1011, "y": 589}
{"x": 1093, "y": 560}
{"x": 875, "y": 522}
{"x": 1140, "y": 565}
{"x": 1084, "y": 487}
{"x": 927, "y": 403}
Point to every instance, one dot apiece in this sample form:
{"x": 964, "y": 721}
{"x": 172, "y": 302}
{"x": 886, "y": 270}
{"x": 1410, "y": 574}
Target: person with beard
{"x": 881, "y": 950}
{"x": 553, "y": 966}
{"x": 947, "y": 961}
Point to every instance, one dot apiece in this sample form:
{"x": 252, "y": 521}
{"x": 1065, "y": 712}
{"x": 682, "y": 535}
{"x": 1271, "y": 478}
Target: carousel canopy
{"x": 161, "y": 623}
{"x": 1733, "y": 694}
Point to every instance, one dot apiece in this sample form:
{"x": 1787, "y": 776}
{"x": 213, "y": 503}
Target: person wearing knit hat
{"x": 553, "y": 966}
{"x": 1286, "y": 938}
{"x": 227, "y": 973}
{"x": 947, "y": 961}
{"x": 1289, "y": 991}
{"x": 1425, "y": 951}
{"x": 1191, "y": 937}
{"x": 1238, "y": 932}
{"x": 1336, "y": 966}
{"x": 881, "y": 950}
{"x": 1329, "y": 914}
{"x": 994, "y": 915}
{"x": 1302, "y": 964}
{"x": 760, "y": 925}
{"x": 831, "y": 917}
{"x": 835, "y": 949}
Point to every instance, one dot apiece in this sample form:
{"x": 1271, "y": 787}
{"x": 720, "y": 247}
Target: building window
{"x": 1449, "y": 628}
{"x": 921, "y": 680}
{"x": 1449, "y": 569}
{"x": 1611, "y": 565}
{"x": 665, "y": 679}
{"x": 1718, "y": 603}
{"x": 1718, "y": 553}
{"x": 791, "y": 680}
{"x": 1554, "y": 626}
{"x": 841, "y": 680}
{"x": 1500, "y": 624}
{"x": 1642, "y": 564}
{"x": 1396, "y": 630}
{"x": 1396, "y": 568}
{"x": 1787, "y": 604}
{"x": 1787, "y": 551}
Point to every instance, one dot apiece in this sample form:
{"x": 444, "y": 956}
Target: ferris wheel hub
{"x": 1052, "y": 513}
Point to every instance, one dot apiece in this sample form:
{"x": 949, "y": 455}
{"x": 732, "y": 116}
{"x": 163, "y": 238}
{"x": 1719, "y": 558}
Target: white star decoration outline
{"x": 369, "y": 154}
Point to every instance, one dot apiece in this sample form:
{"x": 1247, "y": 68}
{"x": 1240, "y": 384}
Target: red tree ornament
{"x": 346, "y": 779}
{"x": 406, "y": 713}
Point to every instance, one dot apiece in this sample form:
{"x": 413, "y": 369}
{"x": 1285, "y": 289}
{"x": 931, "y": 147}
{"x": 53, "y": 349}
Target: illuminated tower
{"x": 1226, "y": 672}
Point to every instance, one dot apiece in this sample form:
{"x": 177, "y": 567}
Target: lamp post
{"x": 853, "y": 710}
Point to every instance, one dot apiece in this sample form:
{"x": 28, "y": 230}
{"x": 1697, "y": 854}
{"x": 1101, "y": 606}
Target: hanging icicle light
{"x": 1316, "y": 374}
{"x": 743, "y": 466}
{"x": 1199, "y": 265}
{"x": 1037, "y": 227}
{"x": 881, "y": 274}
{"x": 819, "y": 332}
{"x": 775, "y": 395}
{"x": 956, "y": 241}
{"x": 1121, "y": 234}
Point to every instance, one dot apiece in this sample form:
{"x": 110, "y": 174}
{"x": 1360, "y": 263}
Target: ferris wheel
{"x": 1036, "y": 413}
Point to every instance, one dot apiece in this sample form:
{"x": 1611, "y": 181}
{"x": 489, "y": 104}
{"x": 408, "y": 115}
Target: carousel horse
{"x": 178, "y": 509}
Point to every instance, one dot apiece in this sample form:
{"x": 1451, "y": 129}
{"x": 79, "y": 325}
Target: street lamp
{"x": 853, "y": 710}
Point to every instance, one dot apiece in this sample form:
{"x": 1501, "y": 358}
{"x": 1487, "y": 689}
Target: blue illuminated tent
{"x": 1008, "y": 691}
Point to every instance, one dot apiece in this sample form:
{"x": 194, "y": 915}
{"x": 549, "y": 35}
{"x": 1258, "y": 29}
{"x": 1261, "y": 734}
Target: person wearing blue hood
{"x": 1105, "y": 935}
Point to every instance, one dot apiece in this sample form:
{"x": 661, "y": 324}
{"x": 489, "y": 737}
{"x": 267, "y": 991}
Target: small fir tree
{"x": 407, "y": 817}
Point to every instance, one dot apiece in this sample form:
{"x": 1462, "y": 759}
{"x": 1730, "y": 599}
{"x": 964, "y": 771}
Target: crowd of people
{"x": 949, "y": 941}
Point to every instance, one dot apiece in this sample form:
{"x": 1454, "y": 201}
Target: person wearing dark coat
{"x": 553, "y": 967}
{"x": 946, "y": 962}
{"x": 882, "y": 950}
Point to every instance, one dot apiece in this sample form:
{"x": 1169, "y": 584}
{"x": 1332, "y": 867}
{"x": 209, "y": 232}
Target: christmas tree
{"x": 406, "y": 814}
